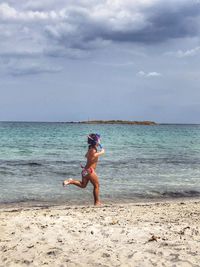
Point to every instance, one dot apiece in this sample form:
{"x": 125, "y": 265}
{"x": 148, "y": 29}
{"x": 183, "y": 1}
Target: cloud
{"x": 9, "y": 13}
{"x": 71, "y": 53}
{"x": 189, "y": 53}
{"x": 20, "y": 54}
{"x": 186, "y": 53}
{"x": 31, "y": 70}
{"x": 149, "y": 74}
{"x": 117, "y": 20}
{"x": 18, "y": 67}
{"x": 115, "y": 64}
{"x": 126, "y": 21}
{"x": 74, "y": 29}
{"x": 141, "y": 73}
{"x": 153, "y": 74}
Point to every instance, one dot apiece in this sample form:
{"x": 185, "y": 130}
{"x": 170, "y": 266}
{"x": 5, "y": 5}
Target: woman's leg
{"x": 95, "y": 181}
{"x": 81, "y": 184}
{"x": 93, "y": 178}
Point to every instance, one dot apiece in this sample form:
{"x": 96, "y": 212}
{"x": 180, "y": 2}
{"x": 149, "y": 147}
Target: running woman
{"x": 88, "y": 172}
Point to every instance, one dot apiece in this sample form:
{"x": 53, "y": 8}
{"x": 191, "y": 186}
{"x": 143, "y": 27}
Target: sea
{"x": 141, "y": 163}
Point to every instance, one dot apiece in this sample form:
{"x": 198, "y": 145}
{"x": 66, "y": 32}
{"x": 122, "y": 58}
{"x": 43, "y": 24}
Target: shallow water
{"x": 141, "y": 162}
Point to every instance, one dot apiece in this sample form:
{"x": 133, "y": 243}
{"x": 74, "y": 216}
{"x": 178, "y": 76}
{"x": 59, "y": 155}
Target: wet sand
{"x": 144, "y": 234}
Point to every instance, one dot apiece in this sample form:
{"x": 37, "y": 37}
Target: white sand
{"x": 156, "y": 234}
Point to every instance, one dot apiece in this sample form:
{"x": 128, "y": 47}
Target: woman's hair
{"x": 93, "y": 139}
{"x": 91, "y": 146}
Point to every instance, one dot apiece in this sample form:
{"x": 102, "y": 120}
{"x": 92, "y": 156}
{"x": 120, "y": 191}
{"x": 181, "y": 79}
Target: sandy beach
{"x": 144, "y": 234}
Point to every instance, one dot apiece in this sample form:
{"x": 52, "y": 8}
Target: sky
{"x": 66, "y": 60}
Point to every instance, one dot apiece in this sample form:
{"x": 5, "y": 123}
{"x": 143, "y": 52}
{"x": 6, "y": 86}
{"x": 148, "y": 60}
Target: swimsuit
{"x": 86, "y": 172}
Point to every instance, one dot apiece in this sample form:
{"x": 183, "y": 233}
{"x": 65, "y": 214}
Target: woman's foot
{"x": 98, "y": 203}
{"x": 67, "y": 182}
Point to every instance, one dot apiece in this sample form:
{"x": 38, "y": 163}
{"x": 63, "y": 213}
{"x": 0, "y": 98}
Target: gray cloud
{"x": 187, "y": 53}
{"x": 65, "y": 28}
{"x": 20, "y": 54}
{"x": 82, "y": 27}
{"x": 115, "y": 64}
{"x": 31, "y": 70}
{"x": 19, "y": 67}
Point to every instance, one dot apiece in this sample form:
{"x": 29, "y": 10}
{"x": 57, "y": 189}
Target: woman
{"x": 88, "y": 172}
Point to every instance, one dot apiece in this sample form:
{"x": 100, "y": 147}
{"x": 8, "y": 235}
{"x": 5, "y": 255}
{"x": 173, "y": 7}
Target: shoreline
{"x": 140, "y": 235}
{"x": 47, "y": 204}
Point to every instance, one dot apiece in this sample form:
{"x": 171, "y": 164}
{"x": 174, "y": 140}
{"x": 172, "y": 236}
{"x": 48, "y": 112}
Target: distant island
{"x": 117, "y": 122}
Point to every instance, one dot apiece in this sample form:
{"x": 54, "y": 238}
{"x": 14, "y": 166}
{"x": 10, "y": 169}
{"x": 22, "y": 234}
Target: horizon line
{"x": 157, "y": 123}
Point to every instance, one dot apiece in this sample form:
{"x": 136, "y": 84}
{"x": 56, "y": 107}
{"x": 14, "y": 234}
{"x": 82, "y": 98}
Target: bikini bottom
{"x": 86, "y": 172}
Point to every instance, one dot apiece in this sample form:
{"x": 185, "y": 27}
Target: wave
{"x": 175, "y": 194}
{"x": 28, "y": 202}
{"x": 4, "y": 163}
{"x": 113, "y": 197}
{"x": 64, "y": 174}
{"x": 152, "y": 195}
{"x": 7, "y": 172}
{"x": 135, "y": 162}
{"x": 33, "y": 164}
{"x": 167, "y": 161}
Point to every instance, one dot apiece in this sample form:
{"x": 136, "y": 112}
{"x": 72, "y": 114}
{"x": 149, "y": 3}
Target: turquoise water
{"x": 141, "y": 162}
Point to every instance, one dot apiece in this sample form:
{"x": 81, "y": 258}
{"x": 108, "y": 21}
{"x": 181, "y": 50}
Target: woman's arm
{"x": 97, "y": 154}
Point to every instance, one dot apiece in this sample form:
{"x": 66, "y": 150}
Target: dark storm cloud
{"x": 85, "y": 24}
{"x": 174, "y": 22}
{"x": 153, "y": 23}
{"x": 72, "y": 29}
